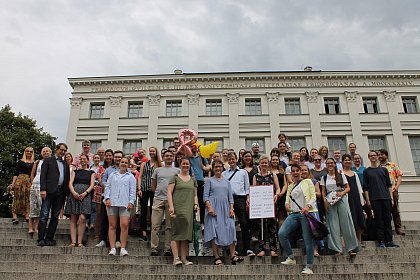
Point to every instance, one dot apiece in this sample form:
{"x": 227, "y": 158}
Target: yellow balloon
{"x": 207, "y": 150}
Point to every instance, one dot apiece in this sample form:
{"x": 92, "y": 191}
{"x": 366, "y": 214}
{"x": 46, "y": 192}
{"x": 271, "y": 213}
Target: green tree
{"x": 16, "y": 133}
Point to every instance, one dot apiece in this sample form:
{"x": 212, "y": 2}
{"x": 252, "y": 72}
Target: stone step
{"x": 131, "y": 259}
{"x": 12, "y": 275}
{"x": 19, "y": 249}
{"x": 239, "y": 269}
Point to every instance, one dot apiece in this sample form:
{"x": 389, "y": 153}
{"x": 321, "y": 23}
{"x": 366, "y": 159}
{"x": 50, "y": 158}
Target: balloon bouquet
{"x": 189, "y": 144}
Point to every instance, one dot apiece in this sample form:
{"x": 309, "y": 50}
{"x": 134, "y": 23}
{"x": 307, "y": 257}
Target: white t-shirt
{"x": 331, "y": 185}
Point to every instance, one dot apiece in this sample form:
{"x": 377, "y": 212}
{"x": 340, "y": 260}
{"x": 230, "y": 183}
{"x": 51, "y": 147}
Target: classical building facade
{"x": 373, "y": 109}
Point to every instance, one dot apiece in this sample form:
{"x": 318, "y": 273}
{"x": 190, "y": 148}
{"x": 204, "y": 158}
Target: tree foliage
{"x": 16, "y": 133}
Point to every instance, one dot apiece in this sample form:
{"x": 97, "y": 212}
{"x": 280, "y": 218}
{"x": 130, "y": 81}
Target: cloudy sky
{"x": 42, "y": 43}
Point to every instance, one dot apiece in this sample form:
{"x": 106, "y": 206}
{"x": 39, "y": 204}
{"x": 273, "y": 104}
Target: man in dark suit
{"x": 55, "y": 176}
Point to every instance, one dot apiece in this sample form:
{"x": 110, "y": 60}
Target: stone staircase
{"x": 20, "y": 258}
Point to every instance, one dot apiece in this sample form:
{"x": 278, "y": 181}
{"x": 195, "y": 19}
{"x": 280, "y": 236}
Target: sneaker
{"x": 392, "y": 245}
{"x": 250, "y": 253}
{"x": 167, "y": 253}
{"x": 254, "y": 239}
{"x": 177, "y": 261}
{"x": 101, "y": 244}
{"x": 187, "y": 262}
{"x": 154, "y": 253}
{"x": 118, "y": 244}
{"x": 381, "y": 244}
{"x": 123, "y": 252}
{"x": 112, "y": 252}
{"x": 143, "y": 238}
{"x": 289, "y": 261}
{"x": 307, "y": 270}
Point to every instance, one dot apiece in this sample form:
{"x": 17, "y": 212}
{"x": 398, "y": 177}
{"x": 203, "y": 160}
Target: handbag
{"x": 134, "y": 225}
{"x": 318, "y": 229}
{"x": 332, "y": 198}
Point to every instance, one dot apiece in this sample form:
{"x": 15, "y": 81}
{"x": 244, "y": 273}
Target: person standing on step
{"x": 239, "y": 182}
{"x": 378, "y": 192}
{"x": 35, "y": 195}
{"x": 86, "y": 147}
{"x": 119, "y": 198}
{"x": 160, "y": 181}
{"x": 395, "y": 174}
{"x": 21, "y": 186}
{"x": 79, "y": 202}
{"x": 219, "y": 223}
{"x": 182, "y": 202}
{"x": 301, "y": 192}
{"x": 54, "y": 180}
{"x": 144, "y": 187}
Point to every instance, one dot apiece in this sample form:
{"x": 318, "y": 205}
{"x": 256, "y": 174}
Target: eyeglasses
{"x": 317, "y": 159}
{"x": 30, "y": 152}
{"x": 64, "y": 150}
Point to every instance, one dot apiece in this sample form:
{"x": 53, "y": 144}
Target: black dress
{"x": 355, "y": 204}
{"x": 80, "y": 184}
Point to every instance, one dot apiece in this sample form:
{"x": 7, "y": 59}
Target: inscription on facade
{"x": 245, "y": 84}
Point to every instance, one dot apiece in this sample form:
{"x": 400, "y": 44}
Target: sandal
{"x": 274, "y": 254}
{"x": 235, "y": 259}
{"x": 218, "y": 261}
{"x": 261, "y": 254}
{"x": 81, "y": 245}
{"x": 73, "y": 245}
{"x": 316, "y": 254}
{"x": 352, "y": 253}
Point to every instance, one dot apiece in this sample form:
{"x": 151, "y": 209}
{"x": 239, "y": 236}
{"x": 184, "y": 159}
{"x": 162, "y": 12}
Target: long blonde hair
{"x": 24, "y": 154}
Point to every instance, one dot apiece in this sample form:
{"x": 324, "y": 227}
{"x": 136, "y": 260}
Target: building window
{"x": 168, "y": 142}
{"x": 337, "y": 143}
{"x": 131, "y": 146}
{"x": 250, "y": 141}
{"x": 296, "y": 143}
{"x": 94, "y": 146}
{"x": 370, "y": 105}
{"x": 376, "y": 142}
{"x": 332, "y": 105}
{"x": 410, "y": 105}
{"x": 211, "y": 140}
{"x": 253, "y": 106}
{"x": 135, "y": 109}
{"x": 415, "y": 152}
{"x": 97, "y": 110}
{"x": 213, "y": 107}
{"x": 292, "y": 106}
{"x": 174, "y": 108}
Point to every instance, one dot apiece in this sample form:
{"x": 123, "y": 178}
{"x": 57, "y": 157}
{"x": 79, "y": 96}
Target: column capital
{"x": 390, "y": 95}
{"x": 312, "y": 96}
{"x": 272, "y": 96}
{"x": 351, "y": 96}
{"x": 75, "y": 102}
{"x": 193, "y": 98}
{"x": 154, "y": 100}
{"x": 233, "y": 97}
{"x": 115, "y": 101}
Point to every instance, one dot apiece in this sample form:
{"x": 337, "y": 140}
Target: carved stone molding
{"x": 233, "y": 97}
{"x": 272, "y": 96}
{"x": 312, "y": 96}
{"x": 115, "y": 101}
{"x": 351, "y": 96}
{"x": 75, "y": 102}
{"x": 390, "y": 95}
{"x": 154, "y": 100}
{"x": 193, "y": 98}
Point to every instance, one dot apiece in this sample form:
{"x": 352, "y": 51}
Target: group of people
{"x": 99, "y": 191}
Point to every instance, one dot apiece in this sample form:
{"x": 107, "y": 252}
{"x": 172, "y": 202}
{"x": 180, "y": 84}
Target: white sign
{"x": 261, "y": 202}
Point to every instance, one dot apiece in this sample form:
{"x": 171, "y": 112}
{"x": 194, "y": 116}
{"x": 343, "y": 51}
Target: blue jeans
{"x": 53, "y": 202}
{"x": 292, "y": 222}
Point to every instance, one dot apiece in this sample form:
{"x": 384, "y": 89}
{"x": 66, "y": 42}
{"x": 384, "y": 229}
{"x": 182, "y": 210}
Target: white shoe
{"x": 250, "y": 253}
{"x": 112, "y": 252}
{"x": 289, "y": 261}
{"x": 101, "y": 244}
{"x": 123, "y": 252}
{"x": 307, "y": 270}
{"x": 117, "y": 244}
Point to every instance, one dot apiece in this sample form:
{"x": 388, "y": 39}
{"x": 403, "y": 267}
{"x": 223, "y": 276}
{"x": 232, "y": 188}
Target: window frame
{"x": 139, "y": 112}
{"x": 253, "y": 106}
{"x": 127, "y": 151}
{"x": 93, "y": 110}
{"x": 370, "y": 105}
{"x": 292, "y": 106}
{"x": 172, "y": 110}
{"x": 341, "y": 146}
{"x": 415, "y": 152}
{"x": 332, "y": 103}
{"x": 406, "y": 106}
{"x": 260, "y": 141}
{"x": 214, "y": 107}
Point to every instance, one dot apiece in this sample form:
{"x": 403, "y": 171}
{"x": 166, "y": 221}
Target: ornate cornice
{"x": 115, "y": 101}
{"x": 233, "y": 97}
{"x": 193, "y": 98}
{"x": 312, "y": 96}
{"x": 75, "y": 102}
{"x": 154, "y": 100}
{"x": 390, "y": 95}
{"x": 272, "y": 96}
{"x": 351, "y": 96}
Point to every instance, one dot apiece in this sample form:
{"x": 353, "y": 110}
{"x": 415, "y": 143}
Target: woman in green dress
{"x": 182, "y": 200}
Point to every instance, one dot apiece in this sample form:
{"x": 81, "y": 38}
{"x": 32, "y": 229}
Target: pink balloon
{"x": 187, "y": 138}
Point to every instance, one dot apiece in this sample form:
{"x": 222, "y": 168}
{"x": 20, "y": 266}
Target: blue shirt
{"x": 61, "y": 169}
{"x": 359, "y": 172}
{"x": 196, "y": 167}
{"x": 239, "y": 182}
{"x": 120, "y": 189}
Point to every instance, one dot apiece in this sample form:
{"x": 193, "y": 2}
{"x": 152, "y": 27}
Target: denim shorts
{"x": 118, "y": 211}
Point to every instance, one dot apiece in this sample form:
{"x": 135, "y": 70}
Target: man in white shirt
{"x": 239, "y": 182}
{"x": 337, "y": 158}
